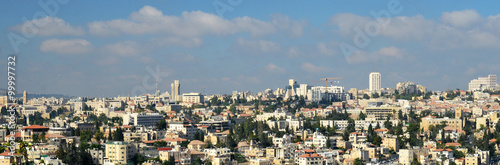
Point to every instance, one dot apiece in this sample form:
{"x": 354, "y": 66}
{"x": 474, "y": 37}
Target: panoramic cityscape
{"x": 250, "y": 82}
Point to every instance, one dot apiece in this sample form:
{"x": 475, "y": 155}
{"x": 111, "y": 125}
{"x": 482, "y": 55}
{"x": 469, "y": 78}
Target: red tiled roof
{"x": 453, "y": 144}
{"x": 150, "y": 141}
{"x": 164, "y": 148}
{"x": 174, "y": 139}
{"x": 17, "y": 135}
{"x": 311, "y": 156}
{"x": 8, "y": 153}
{"x": 308, "y": 151}
{"x": 35, "y": 127}
{"x": 196, "y": 142}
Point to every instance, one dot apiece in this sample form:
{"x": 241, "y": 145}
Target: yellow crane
{"x": 326, "y": 84}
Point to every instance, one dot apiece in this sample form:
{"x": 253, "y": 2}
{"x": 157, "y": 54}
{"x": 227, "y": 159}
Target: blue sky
{"x": 109, "y": 48}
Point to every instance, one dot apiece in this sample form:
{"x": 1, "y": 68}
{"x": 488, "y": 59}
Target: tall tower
{"x": 176, "y": 86}
{"x": 25, "y": 98}
{"x": 374, "y": 81}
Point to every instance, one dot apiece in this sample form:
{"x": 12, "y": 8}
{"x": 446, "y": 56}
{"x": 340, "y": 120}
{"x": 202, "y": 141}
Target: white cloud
{"x": 75, "y": 46}
{"x": 326, "y": 49}
{"x": 274, "y": 69}
{"x": 291, "y": 27}
{"x": 462, "y": 19}
{"x": 383, "y": 55}
{"x": 391, "y": 52}
{"x": 293, "y": 52}
{"x": 146, "y": 60}
{"x": 149, "y": 20}
{"x": 125, "y": 48}
{"x": 261, "y": 46}
{"x": 182, "y": 57}
{"x": 347, "y": 21}
{"x": 402, "y": 27}
{"x": 454, "y": 31}
{"x": 188, "y": 42}
{"x": 493, "y": 23}
{"x": 48, "y": 26}
{"x": 311, "y": 68}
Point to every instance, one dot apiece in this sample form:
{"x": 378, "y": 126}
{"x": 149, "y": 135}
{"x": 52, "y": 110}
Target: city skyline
{"x": 255, "y": 46}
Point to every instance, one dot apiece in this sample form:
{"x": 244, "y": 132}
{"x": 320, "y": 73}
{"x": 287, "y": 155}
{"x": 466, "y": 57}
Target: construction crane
{"x": 326, "y": 84}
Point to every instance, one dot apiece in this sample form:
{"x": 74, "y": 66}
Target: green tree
{"x": 42, "y": 137}
{"x": 232, "y": 108}
{"x": 328, "y": 143}
{"x": 184, "y": 144}
{"x": 377, "y": 140}
{"x": 35, "y": 138}
{"x": 239, "y": 158}
{"x": 170, "y": 161}
{"x": 219, "y": 144}
{"x": 358, "y": 161}
{"x": 160, "y": 143}
{"x": 138, "y": 159}
{"x": 76, "y": 118}
{"x": 4, "y": 111}
{"x": 415, "y": 161}
{"x": 118, "y": 135}
{"x": 388, "y": 124}
{"x": 197, "y": 161}
{"x": 99, "y": 135}
{"x": 86, "y": 136}
{"x": 362, "y": 116}
{"x": 161, "y": 125}
{"x": 365, "y": 96}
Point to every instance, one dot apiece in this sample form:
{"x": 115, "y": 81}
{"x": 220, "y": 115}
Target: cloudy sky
{"x": 109, "y": 48}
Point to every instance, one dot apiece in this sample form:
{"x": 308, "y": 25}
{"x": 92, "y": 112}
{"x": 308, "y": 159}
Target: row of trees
{"x": 72, "y": 155}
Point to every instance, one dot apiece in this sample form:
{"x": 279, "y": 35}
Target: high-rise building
{"x": 25, "y": 98}
{"x": 291, "y": 89}
{"x": 176, "y": 86}
{"x": 374, "y": 82}
{"x": 303, "y": 89}
{"x": 483, "y": 83}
